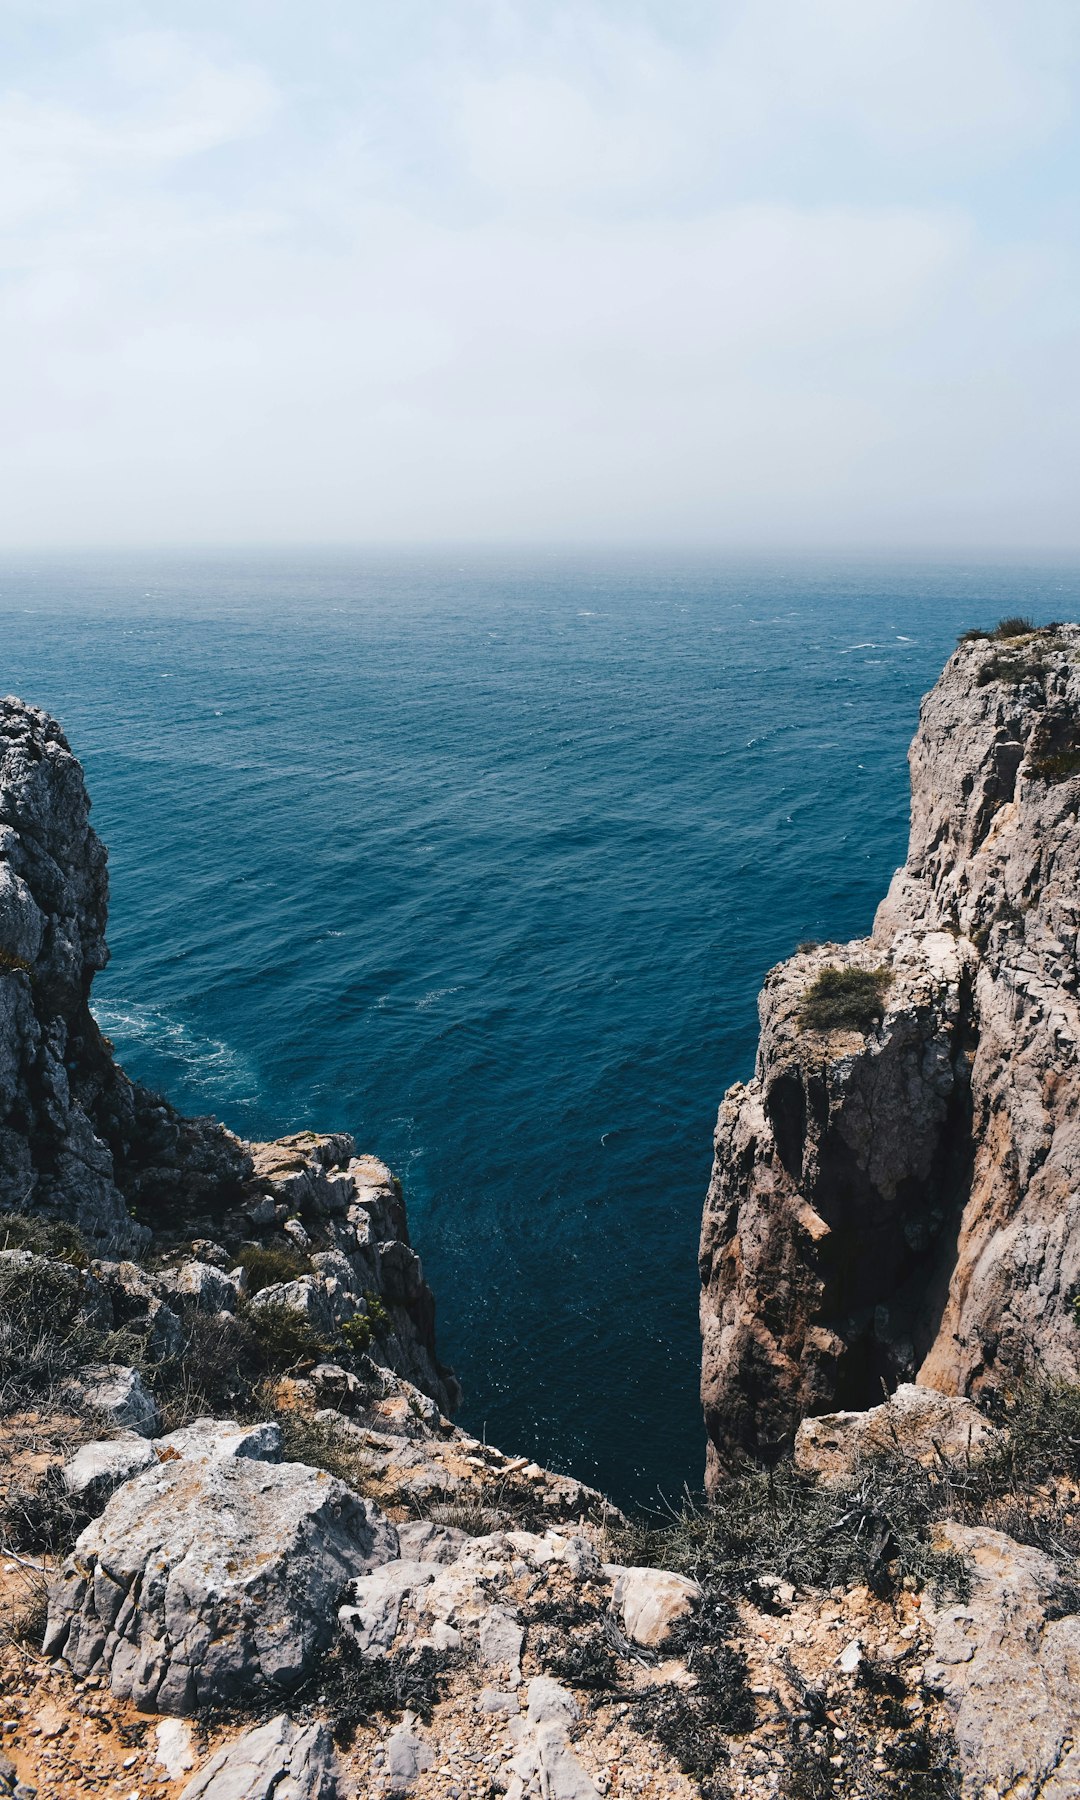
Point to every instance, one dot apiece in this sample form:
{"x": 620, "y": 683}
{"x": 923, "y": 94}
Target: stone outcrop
{"x": 902, "y": 1202}
{"x": 80, "y": 1143}
{"x": 276, "y": 1761}
{"x": 1007, "y": 1661}
{"x": 213, "y": 1574}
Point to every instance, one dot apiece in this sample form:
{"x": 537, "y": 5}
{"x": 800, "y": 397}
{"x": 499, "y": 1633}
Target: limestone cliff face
{"x": 905, "y": 1204}
{"x": 82, "y": 1143}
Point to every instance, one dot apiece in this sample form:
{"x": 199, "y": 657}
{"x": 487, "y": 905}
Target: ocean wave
{"x": 204, "y": 1063}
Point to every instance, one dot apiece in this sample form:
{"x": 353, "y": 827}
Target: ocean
{"x": 482, "y": 857}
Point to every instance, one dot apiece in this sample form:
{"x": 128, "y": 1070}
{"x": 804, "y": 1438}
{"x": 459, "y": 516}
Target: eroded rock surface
{"x": 903, "y": 1203}
{"x": 1007, "y": 1661}
{"x": 210, "y": 1577}
{"x": 277, "y": 1761}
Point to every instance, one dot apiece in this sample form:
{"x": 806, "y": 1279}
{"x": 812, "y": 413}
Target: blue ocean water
{"x": 483, "y": 859}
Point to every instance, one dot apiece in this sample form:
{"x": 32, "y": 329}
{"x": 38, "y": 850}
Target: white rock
{"x": 651, "y": 1601}
{"x": 406, "y": 1757}
{"x": 217, "y": 1440}
{"x": 205, "y": 1580}
{"x": 918, "y": 1421}
{"x": 96, "y": 1469}
{"x": 566, "y": 1779}
{"x": 1010, "y": 1674}
{"x": 278, "y": 1761}
{"x": 211, "y": 1289}
{"x": 850, "y": 1657}
{"x": 550, "y": 1704}
{"x": 501, "y": 1638}
{"x": 174, "y": 1749}
{"x": 121, "y": 1394}
{"x": 370, "y": 1615}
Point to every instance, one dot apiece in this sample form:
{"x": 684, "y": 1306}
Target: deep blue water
{"x": 483, "y": 859}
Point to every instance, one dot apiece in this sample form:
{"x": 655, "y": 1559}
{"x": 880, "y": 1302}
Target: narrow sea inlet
{"x": 483, "y": 859}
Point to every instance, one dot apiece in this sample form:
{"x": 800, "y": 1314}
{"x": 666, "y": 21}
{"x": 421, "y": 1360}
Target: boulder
{"x": 917, "y": 1422}
{"x": 1007, "y": 1662}
{"x": 206, "y": 1579}
{"x": 96, "y": 1469}
{"x": 200, "y": 1285}
{"x": 218, "y": 1440}
{"x": 277, "y": 1761}
{"x": 121, "y": 1394}
{"x": 651, "y": 1601}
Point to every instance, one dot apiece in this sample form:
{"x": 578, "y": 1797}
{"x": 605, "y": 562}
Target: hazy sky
{"x": 756, "y": 272}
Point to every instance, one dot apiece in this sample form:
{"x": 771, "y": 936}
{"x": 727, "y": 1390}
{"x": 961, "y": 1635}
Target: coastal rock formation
{"x": 898, "y": 1200}
{"x": 208, "y": 1577}
{"x": 82, "y": 1144}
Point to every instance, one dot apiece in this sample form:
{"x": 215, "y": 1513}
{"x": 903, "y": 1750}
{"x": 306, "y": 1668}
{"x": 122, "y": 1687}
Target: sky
{"x": 766, "y": 274}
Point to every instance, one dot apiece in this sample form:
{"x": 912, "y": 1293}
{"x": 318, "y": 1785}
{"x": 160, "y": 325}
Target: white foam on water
{"x": 206, "y": 1063}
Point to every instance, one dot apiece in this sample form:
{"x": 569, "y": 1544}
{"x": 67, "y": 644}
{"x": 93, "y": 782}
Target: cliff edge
{"x": 896, "y": 1193}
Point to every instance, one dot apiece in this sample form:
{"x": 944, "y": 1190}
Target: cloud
{"x": 601, "y": 273}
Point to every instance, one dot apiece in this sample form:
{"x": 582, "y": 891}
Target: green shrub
{"x": 10, "y": 964}
{"x": 267, "y": 1266}
{"x": 378, "y": 1318}
{"x": 844, "y": 999}
{"x": 1012, "y": 668}
{"x": 357, "y": 1334}
{"x": 1057, "y": 765}
{"x": 1014, "y": 627}
{"x": 285, "y": 1338}
{"x": 44, "y": 1237}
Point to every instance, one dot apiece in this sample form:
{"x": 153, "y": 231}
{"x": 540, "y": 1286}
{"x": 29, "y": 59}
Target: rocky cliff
{"x": 896, "y": 1193}
{"x": 243, "y": 1550}
{"x": 81, "y": 1143}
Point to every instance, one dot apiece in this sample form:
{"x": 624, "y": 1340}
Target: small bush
{"x": 43, "y": 1237}
{"x": 324, "y": 1445}
{"x": 848, "y": 999}
{"x": 285, "y": 1338}
{"x": 692, "y": 1722}
{"x": 1014, "y": 627}
{"x": 10, "y": 964}
{"x": 353, "y": 1689}
{"x": 267, "y": 1266}
{"x": 1014, "y": 669}
{"x": 357, "y": 1334}
{"x": 1057, "y": 765}
{"x": 378, "y": 1318}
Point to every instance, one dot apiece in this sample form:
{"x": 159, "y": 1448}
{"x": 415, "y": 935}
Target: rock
{"x": 96, "y": 1469}
{"x": 407, "y": 1756}
{"x": 370, "y": 1617}
{"x": 174, "y": 1748}
{"x": 121, "y": 1394}
{"x": 901, "y": 1203}
{"x": 277, "y": 1761}
{"x": 491, "y": 1700}
{"x": 424, "y": 1541}
{"x": 563, "y": 1776}
{"x": 551, "y": 1704}
{"x": 218, "y": 1440}
{"x": 850, "y": 1657}
{"x": 501, "y": 1639}
{"x": 918, "y": 1422}
{"x": 206, "y": 1288}
{"x": 1009, "y": 1669}
{"x": 651, "y": 1601}
{"x": 203, "y": 1580}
